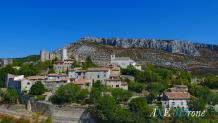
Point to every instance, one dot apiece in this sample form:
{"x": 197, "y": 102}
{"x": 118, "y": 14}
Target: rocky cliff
{"x": 169, "y": 53}
{"x": 172, "y": 46}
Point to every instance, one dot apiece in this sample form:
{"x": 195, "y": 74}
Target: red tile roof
{"x": 97, "y": 69}
{"x": 177, "y": 95}
{"x": 124, "y": 83}
{"x": 57, "y": 75}
{"x": 82, "y": 81}
{"x": 36, "y": 77}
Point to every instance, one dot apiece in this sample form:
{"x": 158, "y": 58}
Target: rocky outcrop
{"x": 168, "y": 53}
{"x": 172, "y": 46}
{"x": 208, "y": 46}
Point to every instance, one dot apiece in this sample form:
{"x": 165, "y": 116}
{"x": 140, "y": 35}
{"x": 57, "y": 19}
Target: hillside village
{"x": 130, "y": 88}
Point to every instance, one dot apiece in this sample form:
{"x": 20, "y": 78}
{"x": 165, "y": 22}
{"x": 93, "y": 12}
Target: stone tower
{"x": 64, "y": 55}
{"x": 44, "y": 55}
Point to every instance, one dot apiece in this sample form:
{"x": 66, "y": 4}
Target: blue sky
{"x": 28, "y": 26}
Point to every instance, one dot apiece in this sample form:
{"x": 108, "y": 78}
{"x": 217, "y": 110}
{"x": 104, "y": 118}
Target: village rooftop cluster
{"x": 108, "y": 74}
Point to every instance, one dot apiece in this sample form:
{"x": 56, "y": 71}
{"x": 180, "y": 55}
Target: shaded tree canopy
{"x": 37, "y": 89}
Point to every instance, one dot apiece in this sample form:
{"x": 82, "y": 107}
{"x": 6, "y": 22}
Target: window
{"x": 117, "y": 86}
{"x": 98, "y": 76}
{"x": 173, "y": 103}
{"x": 181, "y": 103}
{"x": 87, "y": 84}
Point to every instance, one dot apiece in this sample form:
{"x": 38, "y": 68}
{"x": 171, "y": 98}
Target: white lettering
{"x": 167, "y": 112}
{"x": 153, "y": 114}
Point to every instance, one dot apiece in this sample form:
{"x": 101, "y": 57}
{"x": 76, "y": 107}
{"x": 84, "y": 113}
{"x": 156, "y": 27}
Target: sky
{"x": 28, "y": 26}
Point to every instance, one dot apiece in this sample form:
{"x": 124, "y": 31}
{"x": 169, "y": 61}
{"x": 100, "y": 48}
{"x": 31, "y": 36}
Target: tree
{"x": 141, "y": 77}
{"x": 164, "y": 73}
{"x": 135, "y": 86}
{"x": 37, "y": 89}
{"x": 97, "y": 89}
{"x": 11, "y": 96}
{"x": 204, "y": 93}
{"x": 151, "y": 76}
{"x": 107, "y": 111}
{"x": 183, "y": 77}
{"x": 67, "y": 94}
{"x": 197, "y": 104}
{"x": 130, "y": 70}
{"x": 121, "y": 95}
{"x": 211, "y": 82}
{"x": 88, "y": 63}
{"x": 48, "y": 120}
{"x": 139, "y": 105}
{"x": 51, "y": 70}
{"x": 83, "y": 94}
{"x": 154, "y": 90}
{"x": 28, "y": 70}
{"x": 106, "y": 107}
{"x": 95, "y": 94}
{"x": 9, "y": 69}
{"x": 2, "y": 79}
{"x": 76, "y": 64}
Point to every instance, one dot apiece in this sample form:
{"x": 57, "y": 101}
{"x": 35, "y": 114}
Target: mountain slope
{"x": 203, "y": 60}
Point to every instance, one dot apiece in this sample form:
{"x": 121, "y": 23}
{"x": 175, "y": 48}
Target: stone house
{"x": 62, "y": 66}
{"x": 123, "y": 62}
{"x": 177, "y": 96}
{"x": 56, "y": 77}
{"x": 98, "y": 74}
{"x": 19, "y": 83}
{"x": 84, "y": 83}
{"x": 77, "y": 73}
{"x": 114, "y": 69}
{"x": 36, "y": 78}
{"x": 92, "y": 74}
{"x": 116, "y": 83}
{"x": 54, "y": 81}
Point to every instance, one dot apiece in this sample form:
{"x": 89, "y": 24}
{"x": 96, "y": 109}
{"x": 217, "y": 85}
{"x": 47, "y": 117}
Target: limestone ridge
{"x": 208, "y": 46}
{"x": 202, "y": 58}
{"x": 172, "y": 46}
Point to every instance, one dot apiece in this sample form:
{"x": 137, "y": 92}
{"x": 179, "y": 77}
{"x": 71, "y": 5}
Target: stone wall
{"x": 44, "y": 108}
{"x": 59, "y": 114}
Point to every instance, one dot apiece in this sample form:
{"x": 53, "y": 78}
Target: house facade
{"x": 116, "y": 83}
{"x": 124, "y": 62}
{"x": 177, "y": 96}
{"x": 84, "y": 83}
{"x": 98, "y": 74}
{"x": 93, "y": 74}
{"x": 114, "y": 69}
{"x": 37, "y": 78}
{"x": 54, "y": 81}
{"x": 108, "y": 75}
{"x": 19, "y": 83}
{"x": 62, "y": 66}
